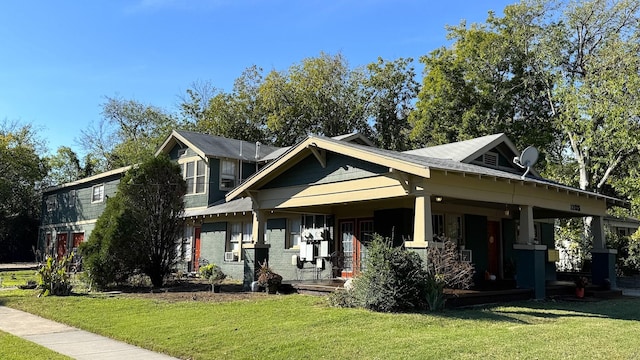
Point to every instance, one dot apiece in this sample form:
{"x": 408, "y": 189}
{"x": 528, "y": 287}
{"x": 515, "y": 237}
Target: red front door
{"x": 196, "y": 250}
{"x": 493, "y": 246}
{"x": 78, "y": 238}
{"x": 353, "y": 233}
{"x": 62, "y": 245}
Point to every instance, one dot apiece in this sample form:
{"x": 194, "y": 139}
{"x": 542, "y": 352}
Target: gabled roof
{"x": 469, "y": 150}
{"x": 216, "y": 146}
{"x": 465, "y": 151}
{"x": 91, "y": 179}
{"x": 418, "y": 165}
{"x": 354, "y": 137}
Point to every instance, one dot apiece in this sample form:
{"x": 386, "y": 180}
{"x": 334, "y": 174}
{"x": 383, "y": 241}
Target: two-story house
{"x": 311, "y": 209}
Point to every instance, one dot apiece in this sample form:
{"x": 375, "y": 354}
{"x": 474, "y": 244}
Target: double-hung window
{"x": 195, "y": 176}
{"x": 228, "y": 174}
{"x": 295, "y": 225}
{"x": 97, "y": 193}
{"x": 239, "y": 232}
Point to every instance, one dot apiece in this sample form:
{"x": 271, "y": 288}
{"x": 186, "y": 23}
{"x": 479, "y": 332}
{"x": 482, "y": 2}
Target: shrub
{"x": 213, "y": 273}
{"x": 393, "y": 280}
{"x": 445, "y": 269}
{"x": 54, "y": 278}
{"x": 268, "y": 278}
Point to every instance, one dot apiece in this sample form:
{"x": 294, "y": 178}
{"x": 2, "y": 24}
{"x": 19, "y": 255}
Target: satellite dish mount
{"x": 527, "y": 159}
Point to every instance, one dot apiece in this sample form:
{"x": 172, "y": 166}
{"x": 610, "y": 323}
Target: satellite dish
{"x": 527, "y": 159}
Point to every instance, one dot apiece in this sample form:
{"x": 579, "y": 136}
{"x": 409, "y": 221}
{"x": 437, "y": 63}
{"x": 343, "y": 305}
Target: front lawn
{"x": 17, "y": 278}
{"x": 298, "y": 326}
{"x": 15, "y": 348}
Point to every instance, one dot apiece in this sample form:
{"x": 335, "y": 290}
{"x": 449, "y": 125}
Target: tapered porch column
{"x": 530, "y": 257}
{"x": 257, "y": 230}
{"x": 603, "y": 260}
{"x": 422, "y": 227}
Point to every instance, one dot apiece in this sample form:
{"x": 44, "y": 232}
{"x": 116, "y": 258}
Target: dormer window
{"x": 228, "y": 175}
{"x": 490, "y": 159}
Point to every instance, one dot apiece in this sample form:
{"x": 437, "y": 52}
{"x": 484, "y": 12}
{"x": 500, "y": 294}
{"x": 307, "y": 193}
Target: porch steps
{"x": 315, "y": 287}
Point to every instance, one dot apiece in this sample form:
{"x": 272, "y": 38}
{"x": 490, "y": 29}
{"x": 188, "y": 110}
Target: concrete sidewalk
{"x": 67, "y": 340}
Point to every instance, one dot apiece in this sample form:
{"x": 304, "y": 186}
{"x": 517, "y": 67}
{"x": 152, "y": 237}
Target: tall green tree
{"x": 21, "y": 173}
{"x": 485, "y": 83}
{"x": 66, "y": 166}
{"x": 235, "y": 115}
{"x": 391, "y": 88}
{"x": 321, "y": 96}
{"x": 141, "y": 229}
{"x": 128, "y": 133}
{"x": 565, "y": 72}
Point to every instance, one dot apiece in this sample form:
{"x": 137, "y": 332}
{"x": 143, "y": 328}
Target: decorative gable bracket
{"x": 320, "y": 154}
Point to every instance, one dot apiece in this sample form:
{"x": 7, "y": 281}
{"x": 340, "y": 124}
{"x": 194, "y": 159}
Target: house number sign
{"x": 575, "y": 207}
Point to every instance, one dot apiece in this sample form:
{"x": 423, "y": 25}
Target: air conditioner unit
{"x": 230, "y": 256}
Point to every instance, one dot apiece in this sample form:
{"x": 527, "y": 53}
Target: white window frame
{"x": 239, "y": 232}
{"x": 196, "y": 178}
{"x": 52, "y": 203}
{"x": 294, "y": 232}
{"x": 71, "y": 199}
{"x": 95, "y": 200}
{"x": 228, "y": 176}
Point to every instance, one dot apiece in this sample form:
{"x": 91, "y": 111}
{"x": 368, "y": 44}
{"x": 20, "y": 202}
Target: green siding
{"x": 476, "y": 240}
{"x": 339, "y": 168}
{"x": 547, "y": 238}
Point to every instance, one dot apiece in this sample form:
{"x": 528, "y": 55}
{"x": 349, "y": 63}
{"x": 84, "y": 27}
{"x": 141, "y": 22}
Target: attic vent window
{"x": 490, "y": 159}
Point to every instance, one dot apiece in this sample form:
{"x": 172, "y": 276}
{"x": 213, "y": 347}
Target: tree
{"x": 141, "y": 228}
{"x": 484, "y": 83}
{"x": 320, "y": 96}
{"x": 569, "y": 71}
{"x": 65, "y": 166}
{"x": 21, "y": 174}
{"x": 391, "y": 88}
{"x": 129, "y": 132}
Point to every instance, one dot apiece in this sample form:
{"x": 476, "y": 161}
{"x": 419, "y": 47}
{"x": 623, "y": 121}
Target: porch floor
{"x": 562, "y": 290}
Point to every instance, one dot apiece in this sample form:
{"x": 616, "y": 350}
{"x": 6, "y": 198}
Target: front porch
{"x": 555, "y": 290}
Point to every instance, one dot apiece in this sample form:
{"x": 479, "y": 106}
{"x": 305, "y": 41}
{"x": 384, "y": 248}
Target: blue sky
{"x": 59, "y": 59}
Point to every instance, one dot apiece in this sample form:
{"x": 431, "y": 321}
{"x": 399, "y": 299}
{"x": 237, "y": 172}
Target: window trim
{"x": 195, "y": 161}
{"x": 291, "y": 234}
{"x": 102, "y": 194}
{"x": 227, "y": 176}
{"x": 246, "y": 234}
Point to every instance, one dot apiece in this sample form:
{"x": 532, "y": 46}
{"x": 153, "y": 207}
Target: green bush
{"x": 54, "y": 277}
{"x": 394, "y": 279}
{"x": 445, "y": 270}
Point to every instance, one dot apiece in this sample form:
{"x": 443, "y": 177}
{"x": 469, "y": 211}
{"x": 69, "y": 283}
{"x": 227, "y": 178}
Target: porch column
{"x": 422, "y": 227}
{"x": 530, "y": 258}
{"x": 257, "y": 230}
{"x": 603, "y": 260}
{"x": 527, "y": 230}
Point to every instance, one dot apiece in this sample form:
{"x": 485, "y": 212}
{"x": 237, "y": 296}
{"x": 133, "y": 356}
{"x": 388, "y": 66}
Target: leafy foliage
{"x": 393, "y": 280}
{"x": 213, "y": 273}
{"x": 445, "y": 269}
{"x": 55, "y": 280}
{"x": 21, "y": 173}
{"x": 141, "y": 226}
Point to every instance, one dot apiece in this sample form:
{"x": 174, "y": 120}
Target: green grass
{"x": 15, "y": 348}
{"x": 15, "y": 278}
{"x": 297, "y": 326}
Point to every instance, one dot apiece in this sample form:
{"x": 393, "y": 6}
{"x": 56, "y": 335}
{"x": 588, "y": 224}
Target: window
{"x": 72, "y": 199}
{"x": 294, "y": 232}
{"x": 97, "y": 193}
{"x": 437, "y": 222}
{"x": 51, "y": 203}
{"x": 227, "y": 174}
{"x": 239, "y": 232}
{"x": 195, "y": 176}
{"x": 447, "y": 226}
